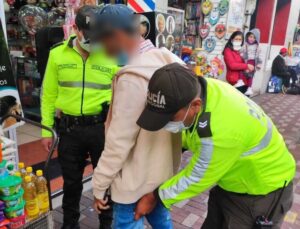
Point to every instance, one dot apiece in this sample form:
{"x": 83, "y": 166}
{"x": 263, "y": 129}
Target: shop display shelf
{"x": 44, "y": 221}
{"x": 10, "y": 152}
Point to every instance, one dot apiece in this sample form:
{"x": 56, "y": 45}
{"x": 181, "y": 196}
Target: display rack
{"x": 23, "y": 56}
{"x": 9, "y": 151}
{"x": 44, "y": 221}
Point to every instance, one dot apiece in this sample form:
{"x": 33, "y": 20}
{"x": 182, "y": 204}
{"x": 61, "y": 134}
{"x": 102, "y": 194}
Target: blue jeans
{"x": 123, "y": 214}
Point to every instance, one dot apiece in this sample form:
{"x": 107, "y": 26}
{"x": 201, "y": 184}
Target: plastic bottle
{"x": 18, "y": 174}
{"x": 22, "y": 170}
{"x": 42, "y": 192}
{"x": 31, "y": 174}
{"x": 30, "y": 197}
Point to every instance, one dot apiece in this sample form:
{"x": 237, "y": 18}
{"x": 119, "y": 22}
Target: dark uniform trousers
{"x": 227, "y": 210}
{"x": 74, "y": 147}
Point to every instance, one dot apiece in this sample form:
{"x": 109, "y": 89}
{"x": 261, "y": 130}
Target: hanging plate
{"x": 210, "y": 44}
{"x": 214, "y": 16}
{"x": 206, "y": 6}
{"x": 223, "y": 7}
{"x": 204, "y": 31}
{"x": 220, "y": 31}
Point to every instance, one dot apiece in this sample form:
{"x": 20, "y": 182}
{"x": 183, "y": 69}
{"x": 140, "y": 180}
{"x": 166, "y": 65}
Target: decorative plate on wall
{"x": 210, "y": 44}
{"x": 223, "y": 7}
{"x": 204, "y": 30}
{"x": 206, "y": 6}
{"x": 214, "y": 16}
{"x": 220, "y": 31}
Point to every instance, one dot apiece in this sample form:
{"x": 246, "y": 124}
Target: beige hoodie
{"x": 134, "y": 161}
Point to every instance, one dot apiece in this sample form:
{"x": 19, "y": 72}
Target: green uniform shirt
{"x": 235, "y": 145}
{"x": 74, "y": 86}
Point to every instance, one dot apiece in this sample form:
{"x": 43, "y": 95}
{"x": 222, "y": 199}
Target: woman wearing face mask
{"x": 235, "y": 64}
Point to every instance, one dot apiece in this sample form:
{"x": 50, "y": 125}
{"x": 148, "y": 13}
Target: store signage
{"x": 141, "y": 6}
{"x": 9, "y": 96}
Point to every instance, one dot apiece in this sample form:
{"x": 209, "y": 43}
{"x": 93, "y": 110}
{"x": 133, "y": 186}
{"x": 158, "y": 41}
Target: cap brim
{"x": 153, "y": 121}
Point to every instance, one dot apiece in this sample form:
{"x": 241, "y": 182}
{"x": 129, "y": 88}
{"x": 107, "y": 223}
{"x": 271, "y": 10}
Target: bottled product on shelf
{"x": 30, "y": 173}
{"x": 22, "y": 169}
{"x": 42, "y": 192}
{"x": 11, "y": 198}
{"x": 18, "y": 174}
{"x": 21, "y": 202}
{"x": 31, "y": 199}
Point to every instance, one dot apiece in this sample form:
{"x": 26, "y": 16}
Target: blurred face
{"x": 188, "y": 114}
{"x": 284, "y": 54}
{"x": 251, "y": 39}
{"x": 116, "y": 43}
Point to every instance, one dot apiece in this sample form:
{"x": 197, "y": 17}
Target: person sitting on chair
{"x": 280, "y": 69}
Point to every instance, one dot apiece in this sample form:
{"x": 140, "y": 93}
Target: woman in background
{"x": 236, "y": 66}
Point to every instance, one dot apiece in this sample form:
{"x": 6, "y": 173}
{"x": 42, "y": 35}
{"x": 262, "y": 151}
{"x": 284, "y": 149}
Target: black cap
{"x": 83, "y": 19}
{"x": 170, "y": 89}
{"x": 112, "y": 17}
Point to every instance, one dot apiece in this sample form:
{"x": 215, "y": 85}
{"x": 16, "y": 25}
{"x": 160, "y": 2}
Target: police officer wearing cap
{"x": 77, "y": 83}
{"x": 236, "y": 148}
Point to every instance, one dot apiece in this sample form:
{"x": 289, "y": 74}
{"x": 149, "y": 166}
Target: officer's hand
{"x": 47, "y": 142}
{"x": 145, "y": 205}
{"x": 101, "y": 205}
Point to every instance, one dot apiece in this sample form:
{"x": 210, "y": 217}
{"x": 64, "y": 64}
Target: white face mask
{"x": 237, "y": 45}
{"x": 176, "y": 127}
{"x": 85, "y": 44}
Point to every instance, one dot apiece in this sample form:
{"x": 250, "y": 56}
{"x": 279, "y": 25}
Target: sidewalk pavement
{"x": 285, "y": 112}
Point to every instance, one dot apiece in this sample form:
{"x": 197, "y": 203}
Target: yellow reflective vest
{"x": 235, "y": 145}
{"x": 74, "y": 85}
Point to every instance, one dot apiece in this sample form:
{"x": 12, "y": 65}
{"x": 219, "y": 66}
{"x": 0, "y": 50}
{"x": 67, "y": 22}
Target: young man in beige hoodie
{"x": 134, "y": 161}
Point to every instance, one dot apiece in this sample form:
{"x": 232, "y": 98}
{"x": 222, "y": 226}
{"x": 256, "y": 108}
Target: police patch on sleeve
{"x": 203, "y": 128}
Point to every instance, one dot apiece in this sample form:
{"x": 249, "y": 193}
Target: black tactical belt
{"x": 83, "y": 120}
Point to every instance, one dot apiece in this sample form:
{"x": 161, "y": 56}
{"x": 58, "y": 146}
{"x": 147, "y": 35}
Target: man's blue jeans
{"x": 123, "y": 214}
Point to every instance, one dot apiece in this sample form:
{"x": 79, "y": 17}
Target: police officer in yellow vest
{"x": 235, "y": 146}
{"x": 77, "y": 83}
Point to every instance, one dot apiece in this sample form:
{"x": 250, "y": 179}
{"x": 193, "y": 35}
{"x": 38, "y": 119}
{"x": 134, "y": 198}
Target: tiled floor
{"x": 285, "y": 112}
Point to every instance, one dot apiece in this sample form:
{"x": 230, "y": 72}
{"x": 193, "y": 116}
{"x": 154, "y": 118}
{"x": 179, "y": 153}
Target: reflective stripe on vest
{"x": 86, "y": 85}
{"x": 265, "y": 141}
{"x": 196, "y": 175}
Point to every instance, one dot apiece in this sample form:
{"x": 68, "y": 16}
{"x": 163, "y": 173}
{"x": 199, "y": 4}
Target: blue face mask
{"x": 122, "y": 58}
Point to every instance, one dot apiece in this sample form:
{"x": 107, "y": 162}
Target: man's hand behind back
{"x": 145, "y": 205}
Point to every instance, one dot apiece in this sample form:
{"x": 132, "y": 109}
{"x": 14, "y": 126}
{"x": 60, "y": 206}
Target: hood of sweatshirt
{"x": 146, "y": 63}
{"x": 256, "y": 33}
